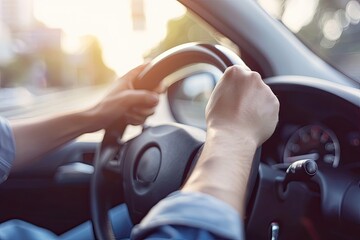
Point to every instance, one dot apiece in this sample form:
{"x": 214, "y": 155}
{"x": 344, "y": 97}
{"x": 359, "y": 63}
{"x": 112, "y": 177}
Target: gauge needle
{"x": 312, "y": 156}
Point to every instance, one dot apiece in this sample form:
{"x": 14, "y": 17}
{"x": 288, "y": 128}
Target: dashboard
{"x": 318, "y": 120}
{"x": 315, "y": 124}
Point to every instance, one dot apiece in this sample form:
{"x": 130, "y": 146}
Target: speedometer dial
{"x": 313, "y": 142}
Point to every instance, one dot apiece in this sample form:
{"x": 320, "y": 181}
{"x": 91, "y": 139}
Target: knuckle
{"x": 276, "y": 104}
{"x": 255, "y": 75}
{"x": 234, "y": 70}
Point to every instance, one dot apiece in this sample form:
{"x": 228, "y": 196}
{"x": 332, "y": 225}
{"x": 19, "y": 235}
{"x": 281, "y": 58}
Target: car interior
{"x": 305, "y": 180}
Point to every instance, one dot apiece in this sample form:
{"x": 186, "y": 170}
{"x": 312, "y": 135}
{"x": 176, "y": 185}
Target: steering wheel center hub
{"x": 148, "y": 166}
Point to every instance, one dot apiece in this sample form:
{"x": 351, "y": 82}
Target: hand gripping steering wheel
{"x": 157, "y": 162}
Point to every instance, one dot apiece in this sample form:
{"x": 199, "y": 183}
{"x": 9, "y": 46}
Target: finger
{"x": 129, "y": 77}
{"x": 142, "y": 111}
{"x": 139, "y": 118}
{"x": 135, "y": 120}
{"x": 140, "y": 99}
{"x": 161, "y": 88}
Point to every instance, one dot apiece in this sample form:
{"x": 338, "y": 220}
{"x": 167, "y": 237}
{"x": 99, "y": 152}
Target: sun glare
{"x": 299, "y": 13}
{"x": 110, "y": 21}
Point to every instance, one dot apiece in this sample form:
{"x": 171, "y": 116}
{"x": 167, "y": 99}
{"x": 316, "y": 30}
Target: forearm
{"x": 227, "y": 181}
{"x": 35, "y": 137}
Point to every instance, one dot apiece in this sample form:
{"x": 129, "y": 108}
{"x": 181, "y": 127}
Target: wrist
{"x": 231, "y": 137}
{"x": 90, "y": 120}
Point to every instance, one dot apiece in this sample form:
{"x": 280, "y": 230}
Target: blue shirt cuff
{"x": 7, "y": 149}
{"x": 193, "y": 210}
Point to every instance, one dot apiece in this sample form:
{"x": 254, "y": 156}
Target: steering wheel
{"x": 158, "y": 161}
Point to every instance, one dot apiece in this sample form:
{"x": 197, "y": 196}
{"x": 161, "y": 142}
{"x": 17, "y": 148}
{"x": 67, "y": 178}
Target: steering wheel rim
{"x": 107, "y": 156}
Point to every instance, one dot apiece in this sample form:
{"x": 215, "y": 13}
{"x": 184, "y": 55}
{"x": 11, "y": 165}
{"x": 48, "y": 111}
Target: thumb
{"x": 133, "y": 73}
{"x": 140, "y": 98}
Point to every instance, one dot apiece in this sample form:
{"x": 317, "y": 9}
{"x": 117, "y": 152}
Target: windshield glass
{"x": 330, "y": 28}
{"x": 57, "y": 55}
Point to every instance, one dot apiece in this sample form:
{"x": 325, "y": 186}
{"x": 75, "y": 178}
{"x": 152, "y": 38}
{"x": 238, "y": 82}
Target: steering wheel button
{"x": 148, "y": 165}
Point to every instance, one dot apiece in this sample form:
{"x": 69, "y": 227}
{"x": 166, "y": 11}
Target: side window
{"x": 329, "y": 28}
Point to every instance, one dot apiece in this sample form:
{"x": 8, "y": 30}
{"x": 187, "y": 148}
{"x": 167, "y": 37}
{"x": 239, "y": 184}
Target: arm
{"x": 33, "y": 138}
{"x": 241, "y": 114}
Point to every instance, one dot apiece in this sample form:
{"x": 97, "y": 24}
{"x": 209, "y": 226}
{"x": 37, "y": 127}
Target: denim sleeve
{"x": 7, "y": 149}
{"x": 190, "y": 215}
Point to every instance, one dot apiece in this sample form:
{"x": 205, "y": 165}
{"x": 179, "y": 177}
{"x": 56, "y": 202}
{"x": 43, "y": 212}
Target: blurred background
{"x": 67, "y": 50}
{"x": 62, "y": 54}
{"x": 330, "y": 28}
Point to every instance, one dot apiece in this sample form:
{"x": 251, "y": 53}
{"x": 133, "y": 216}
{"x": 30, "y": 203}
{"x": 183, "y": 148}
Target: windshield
{"x": 330, "y": 28}
{"x": 61, "y": 55}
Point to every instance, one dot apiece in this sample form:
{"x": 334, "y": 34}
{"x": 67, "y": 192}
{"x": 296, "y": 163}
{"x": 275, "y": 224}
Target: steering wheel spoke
{"x": 113, "y": 162}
